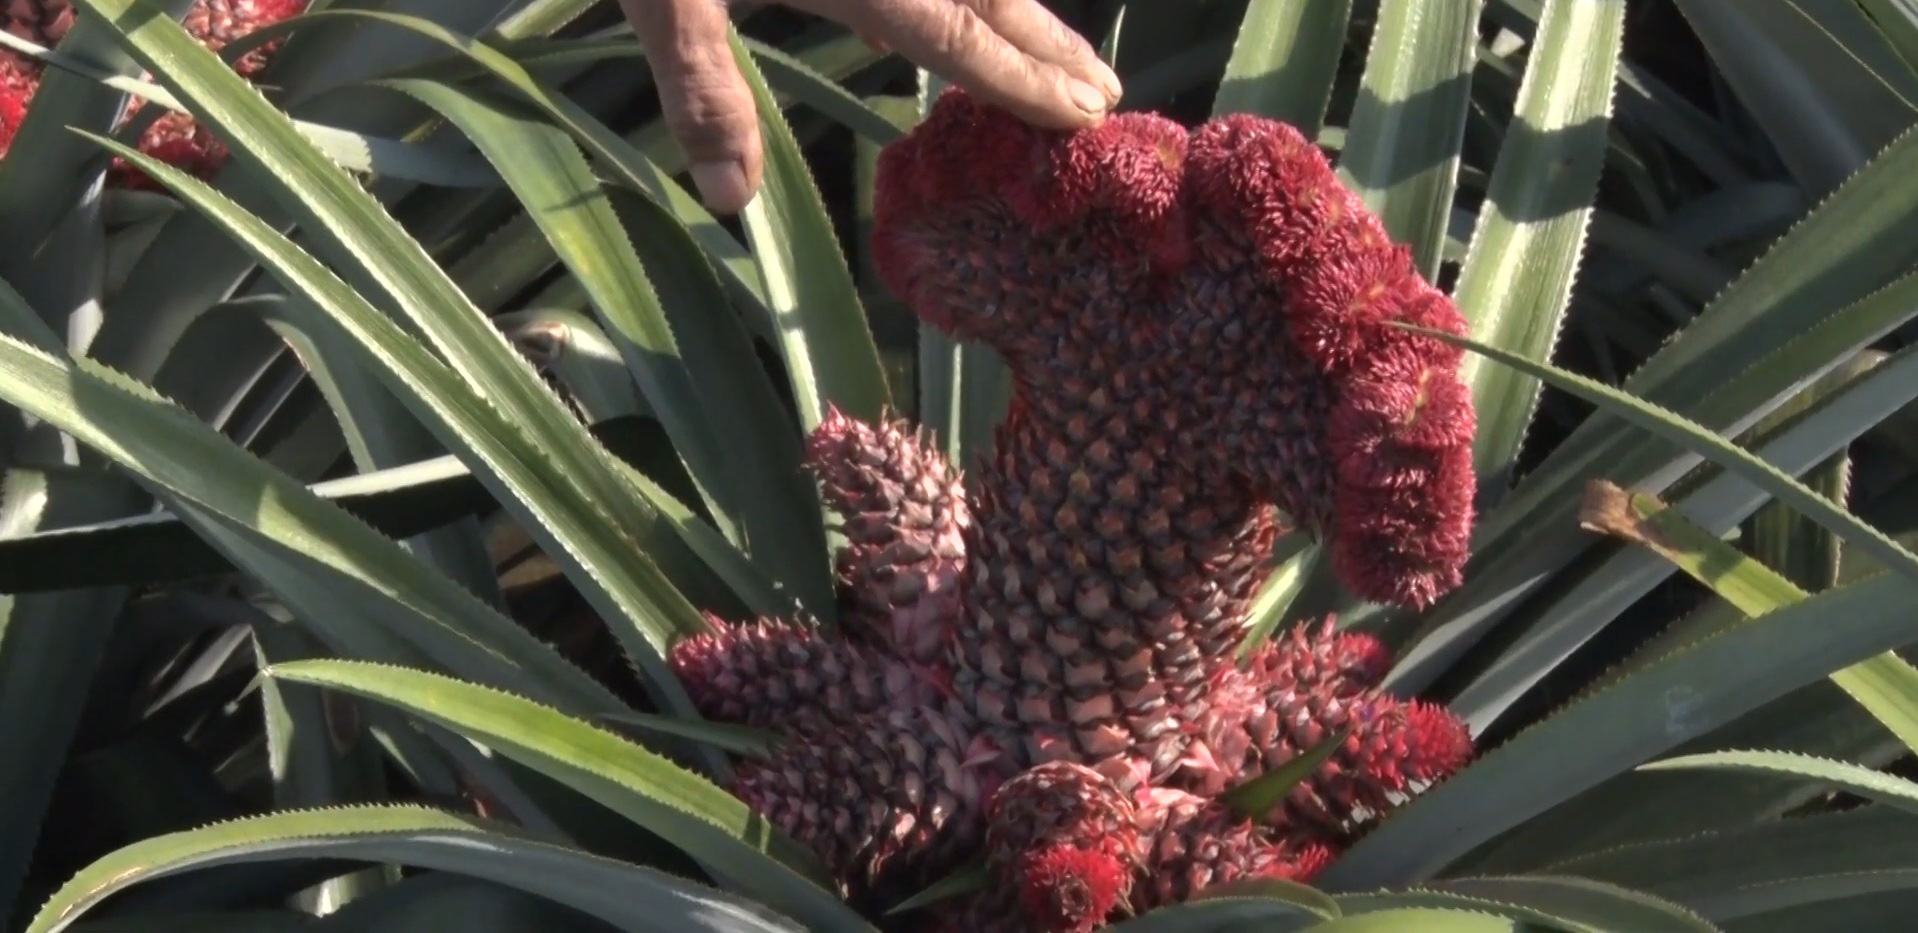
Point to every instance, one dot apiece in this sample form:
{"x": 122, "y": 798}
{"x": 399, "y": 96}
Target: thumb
{"x": 706, "y": 102}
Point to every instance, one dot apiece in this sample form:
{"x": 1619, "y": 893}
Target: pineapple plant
{"x": 1086, "y": 602}
{"x": 864, "y": 531}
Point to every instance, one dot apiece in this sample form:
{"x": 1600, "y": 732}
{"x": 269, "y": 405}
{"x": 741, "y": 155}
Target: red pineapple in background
{"x": 173, "y": 138}
{"x": 1040, "y": 668}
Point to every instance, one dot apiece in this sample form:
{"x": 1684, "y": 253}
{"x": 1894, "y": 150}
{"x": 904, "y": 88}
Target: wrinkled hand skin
{"x": 1037, "y": 664}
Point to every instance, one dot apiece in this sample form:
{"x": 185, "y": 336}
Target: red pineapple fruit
{"x": 904, "y": 514}
{"x": 173, "y": 138}
{"x": 1199, "y": 344}
{"x": 1065, "y": 840}
{"x": 762, "y": 673}
{"x": 1193, "y": 843}
{"x": 1197, "y": 333}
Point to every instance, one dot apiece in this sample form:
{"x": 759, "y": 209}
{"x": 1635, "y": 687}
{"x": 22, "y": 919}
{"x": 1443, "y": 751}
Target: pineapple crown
{"x": 1225, "y": 284}
{"x": 1069, "y": 889}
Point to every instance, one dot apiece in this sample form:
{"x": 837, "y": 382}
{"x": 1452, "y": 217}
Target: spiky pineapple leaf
{"x": 1542, "y": 510}
{"x": 1516, "y": 282}
{"x": 792, "y": 75}
{"x": 1775, "y": 865}
{"x": 627, "y": 778}
{"x": 355, "y": 152}
{"x": 1820, "y": 79}
{"x": 1887, "y": 789}
{"x": 821, "y": 323}
{"x": 828, "y": 347}
{"x": 366, "y": 594}
{"x": 620, "y": 158}
{"x": 1680, "y": 696}
{"x": 712, "y": 429}
{"x": 737, "y": 739}
{"x": 51, "y": 644}
{"x": 378, "y": 429}
{"x": 1719, "y": 499}
{"x": 1775, "y": 329}
{"x": 1264, "y": 904}
{"x": 1562, "y": 902}
{"x": 533, "y": 454}
{"x": 966, "y": 879}
{"x": 519, "y": 463}
{"x": 1284, "y": 58}
{"x": 1886, "y": 686}
{"x": 1109, "y": 44}
{"x": 1275, "y": 597}
{"x": 1402, "y": 145}
{"x": 38, "y": 191}
{"x": 1433, "y": 919}
{"x": 1256, "y": 798}
{"x": 1701, "y": 440}
{"x": 627, "y": 896}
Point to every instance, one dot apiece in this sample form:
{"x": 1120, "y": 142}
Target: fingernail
{"x": 1109, "y": 80}
{"x": 1088, "y": 98}
{"x": 722, "y": 185}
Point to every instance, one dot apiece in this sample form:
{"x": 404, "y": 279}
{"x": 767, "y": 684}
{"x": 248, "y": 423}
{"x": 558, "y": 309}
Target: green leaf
{"x": 1572, "y": 613}
{"x": 1886, "y": 686}
{"x": 821, "y": 324}
{"x": 1423, "y": 919}
{"x": 379, "y": 432}
{"x": 368, "y": 595}
{"x": 1701, "y": 440}
{"x": 1865, "y": 782}
{"x": 1277, "y": 594}
{"x": 1402, "y": 147}
{"x": 51, "y": 646}
{"x": 962, "y": 881}
{"x": 1502, "y": 574}
{"x": 1818, "y": 296}
{"x": 1283, "y": 61}
{"x": 1266, "y": 904}
{"x": 1109, "y": 46}
{"x": 536, "y": 458}
{"x": 809, "y": 87}
{"x": 1823, "y": 85}
{"x": 547, "y": 173}
{"x": 1680, "y": 696}
{"x": 628, "y": 896}
{"x": 1256, "y": 798}
{"x": 737, "y": 739}
{"x": 682, "y": 807}
{"x": 1516, "y": 283}
{"x": 1576, "y": 903}
{"x": 1773, "y": 865}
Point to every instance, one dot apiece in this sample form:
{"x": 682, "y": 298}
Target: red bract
{"x": 17, "y": 85}
{"x": 1200, "y": 329}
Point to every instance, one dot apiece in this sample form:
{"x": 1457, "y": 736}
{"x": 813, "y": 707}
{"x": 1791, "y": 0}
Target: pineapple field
{"x": 1416, "y": 465}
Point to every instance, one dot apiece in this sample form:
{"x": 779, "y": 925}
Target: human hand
{"x": 1012, "y": 53}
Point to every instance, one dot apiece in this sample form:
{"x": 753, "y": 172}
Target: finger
{"x": 706, "y": 102}
{"x": 1031, "y": 27}
{"x": 950, "y": 38}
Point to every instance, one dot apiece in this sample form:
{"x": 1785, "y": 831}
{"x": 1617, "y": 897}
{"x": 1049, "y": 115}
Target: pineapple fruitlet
{"x": 1041, "y": 670}
{"x": 173, "y": 138}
